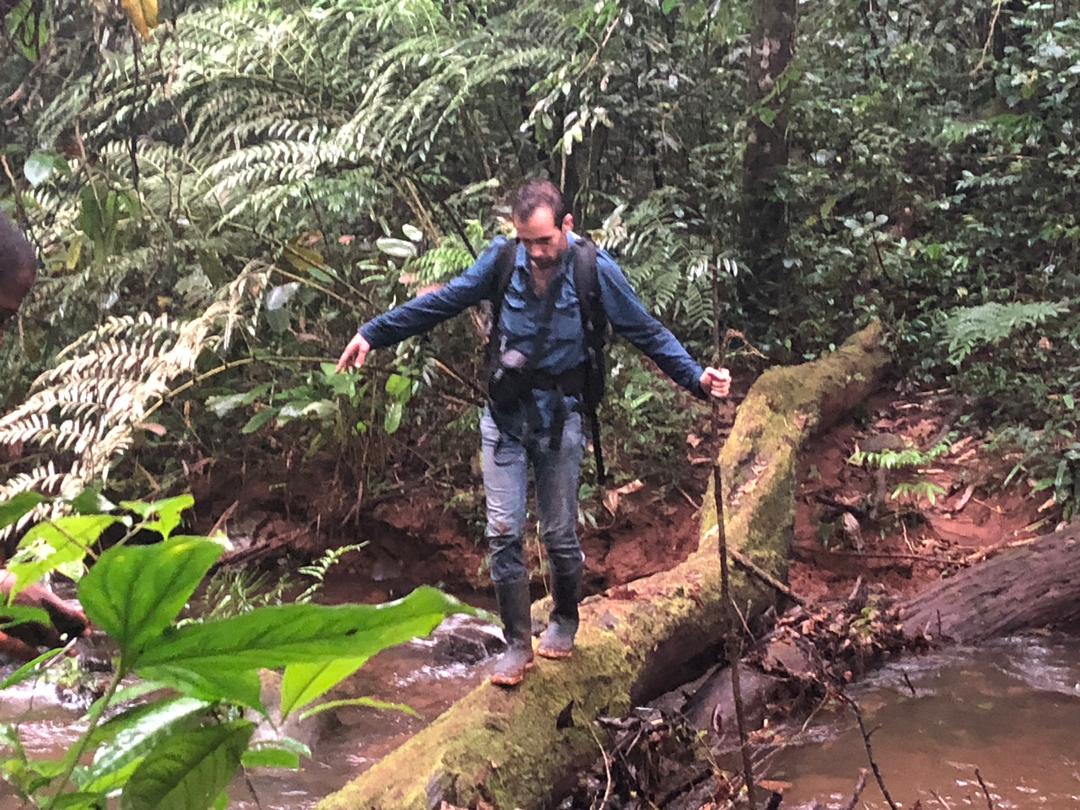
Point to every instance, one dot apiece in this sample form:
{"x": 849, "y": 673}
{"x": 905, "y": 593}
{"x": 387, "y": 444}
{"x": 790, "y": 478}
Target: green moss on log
{"x": 504, "y": 746}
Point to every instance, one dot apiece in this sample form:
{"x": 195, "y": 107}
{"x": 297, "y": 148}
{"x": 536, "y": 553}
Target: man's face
{"x": 545, "y": 241}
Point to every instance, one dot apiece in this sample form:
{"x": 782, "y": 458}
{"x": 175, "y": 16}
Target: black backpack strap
{"x": 593, "y": 317}
{"x": 504, "y": 271}
{"x": 594, "y": 323}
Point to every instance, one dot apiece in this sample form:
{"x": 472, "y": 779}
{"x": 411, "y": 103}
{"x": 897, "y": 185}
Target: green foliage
{"x": 914, "y": 490}
{"x": 188, "y": 770}
{"x": 906, "y": 458}
{"x": 318, "y": 569}
{"x": 970, "y": 328}
{"x": 182, "y": 747}
{"x": 134, "y": 592}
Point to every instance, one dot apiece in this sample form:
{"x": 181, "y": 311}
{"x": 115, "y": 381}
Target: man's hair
{"x": 538, "y": 193}
{"x": 18, "y": 264}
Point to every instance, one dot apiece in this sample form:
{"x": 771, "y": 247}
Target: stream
{"x": 426, "y": 674}
{"x": 1011, "y": 709}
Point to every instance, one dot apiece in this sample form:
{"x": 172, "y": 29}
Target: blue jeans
{"x": 506, "y": 478}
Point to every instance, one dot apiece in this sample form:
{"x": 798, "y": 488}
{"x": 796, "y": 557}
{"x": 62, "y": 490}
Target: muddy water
{"x": 427, "y": 674}
{"x": 1011, "y": 709}
{"x": 420, "y": 674}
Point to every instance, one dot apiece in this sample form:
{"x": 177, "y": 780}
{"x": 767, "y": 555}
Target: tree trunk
{"x": 1021, "y": 589}
{"x": 764, "y": 215}
{"x": 517, "y": 748}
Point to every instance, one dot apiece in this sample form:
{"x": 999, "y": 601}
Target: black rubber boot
{"x": 557, "y": 640}
{"x": 517, "y": 628}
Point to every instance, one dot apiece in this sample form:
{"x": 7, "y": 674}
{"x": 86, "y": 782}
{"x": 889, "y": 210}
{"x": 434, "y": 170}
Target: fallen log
{"x": 518, "y": 748}
{"x": 1022, "y": 588}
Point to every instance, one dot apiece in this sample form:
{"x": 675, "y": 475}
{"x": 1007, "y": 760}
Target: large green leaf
{"x": 290, "y": 634}
{"x": 50, "y": 545}
{"x": 79, "y": 801}
{"x": 131, "y": 735}
{"x": 271, "y": 757}
{"x": 303, "y": 683}
{"x": 225, "y": 404}
{"x": 12, "y": 510}
{"x": 189, "y": 770}
{"x": 91, "y": 502}
{"x": 135, "y": 592}
{"x": 40, "y": 166}
{"x": 167, "y": 511}
{"x": 27, "y": 27}
{"x": 211, "y": 683}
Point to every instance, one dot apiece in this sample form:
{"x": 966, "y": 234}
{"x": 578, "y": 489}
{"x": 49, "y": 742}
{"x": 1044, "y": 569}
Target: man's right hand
{"x": 354, "y": 355}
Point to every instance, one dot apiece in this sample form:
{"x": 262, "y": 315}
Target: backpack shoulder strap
{"x": 593, "y": 317}
{"x": 504, "y": 270}
{"x": 594, "y": 322}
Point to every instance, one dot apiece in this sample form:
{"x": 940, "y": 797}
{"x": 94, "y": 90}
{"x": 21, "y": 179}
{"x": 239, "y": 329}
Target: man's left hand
{"x": 716, "y": 382}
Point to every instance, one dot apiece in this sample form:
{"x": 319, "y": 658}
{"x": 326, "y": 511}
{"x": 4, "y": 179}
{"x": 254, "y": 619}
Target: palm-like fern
{"x": 968, "y": 328}
{"x": 84, "y": 413}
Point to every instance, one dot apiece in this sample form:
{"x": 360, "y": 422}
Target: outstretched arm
{"x": 422, "y": 313}
{"x": 630, "y": 319}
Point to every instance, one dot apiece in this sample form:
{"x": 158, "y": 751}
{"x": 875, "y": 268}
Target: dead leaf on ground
{"x": 612, "y": 496}
{"x": 773, "y": 785}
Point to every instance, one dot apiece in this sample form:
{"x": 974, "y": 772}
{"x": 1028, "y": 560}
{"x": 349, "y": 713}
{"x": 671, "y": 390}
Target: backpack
{"x": 594, "y": 323}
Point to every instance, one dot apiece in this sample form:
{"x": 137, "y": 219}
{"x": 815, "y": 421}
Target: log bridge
{"x": 516, "y": 749}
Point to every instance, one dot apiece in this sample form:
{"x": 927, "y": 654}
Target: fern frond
{"x": 88, "y": 407}
{"x": 968, "y": 328}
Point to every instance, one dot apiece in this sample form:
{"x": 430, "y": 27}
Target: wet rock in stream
{"x": 464, "y": 640}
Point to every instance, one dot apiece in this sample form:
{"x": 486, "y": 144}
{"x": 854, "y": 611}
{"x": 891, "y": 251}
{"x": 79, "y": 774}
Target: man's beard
{"x": 546, "y": 265}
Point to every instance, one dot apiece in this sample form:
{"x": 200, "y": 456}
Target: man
{"x": 18, "y": 271}
{"x": 538, "y": 337}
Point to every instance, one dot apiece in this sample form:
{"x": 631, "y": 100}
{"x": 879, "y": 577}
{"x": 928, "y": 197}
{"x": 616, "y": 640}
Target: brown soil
{"x": 904, "y": 543}
{"x": 415, "y": 537}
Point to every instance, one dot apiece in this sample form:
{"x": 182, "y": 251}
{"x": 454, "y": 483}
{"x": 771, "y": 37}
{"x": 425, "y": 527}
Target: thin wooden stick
{"x": 869, "y": 750}
{"x": 750, "y": 567}
{"x": 986, "y": 790}
{"x": 732, "y": 636}
{"x": 989, "y": 37}
{"x": 607, "y": 768}
{"x": 860, "y": 786}
{"x": 887, "y": 555}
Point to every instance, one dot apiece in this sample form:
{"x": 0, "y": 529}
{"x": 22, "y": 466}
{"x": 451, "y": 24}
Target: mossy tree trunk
{"x": 508, "y": 747}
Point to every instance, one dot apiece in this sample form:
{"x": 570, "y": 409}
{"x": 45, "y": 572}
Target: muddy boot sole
{"x": 555, "y": 655}
{"x": 502, "y": 679}
{"x": 557, "y": 642}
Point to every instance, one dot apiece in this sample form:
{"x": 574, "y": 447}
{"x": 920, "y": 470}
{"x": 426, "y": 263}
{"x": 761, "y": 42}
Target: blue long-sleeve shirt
{"x": 521, "y": 314}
